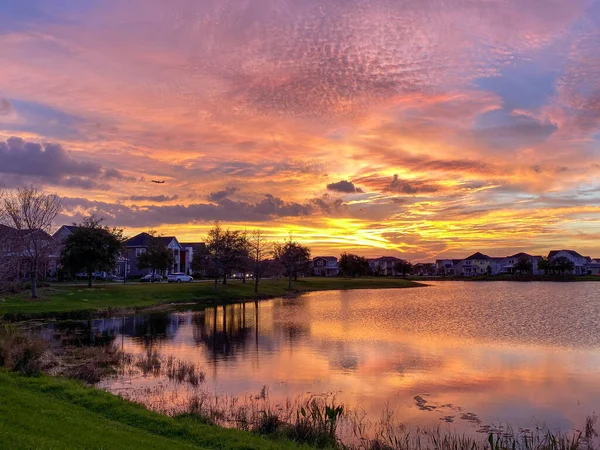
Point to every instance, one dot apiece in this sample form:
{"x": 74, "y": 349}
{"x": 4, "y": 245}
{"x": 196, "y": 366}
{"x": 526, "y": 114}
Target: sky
{"x": 415, "y": 128}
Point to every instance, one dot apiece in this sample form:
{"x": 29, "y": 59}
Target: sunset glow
{"x": 416, "y": 128}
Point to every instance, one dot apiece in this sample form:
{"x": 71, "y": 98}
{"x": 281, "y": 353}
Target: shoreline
{"x": 75, "y": 302}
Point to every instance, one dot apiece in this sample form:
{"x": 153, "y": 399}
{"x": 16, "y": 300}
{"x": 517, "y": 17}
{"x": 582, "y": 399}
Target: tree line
{"x": 26, "y": 246}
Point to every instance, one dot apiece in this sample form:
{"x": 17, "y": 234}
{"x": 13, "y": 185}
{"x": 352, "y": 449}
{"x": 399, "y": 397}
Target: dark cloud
{"x": 51, "y": 163}
{"x": 410, "y": 187}
{"x": 346, "y": 187}
{"x": 268, "y": 208}
{"x": 153, "y": 198}
{"x": 221, "y": 195}
{"x": 536, "y": 169}
{"x": 114, "y": 174}
{"x": 5, "y": 107}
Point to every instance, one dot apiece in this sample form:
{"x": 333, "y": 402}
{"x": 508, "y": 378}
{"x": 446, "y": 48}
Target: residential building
{"x": 445, "y": 267}
{"x": 476, "y": 264}
{"x": 580, "y": 262}
{"x": 190, "y": 251}
{"x": 325, "y": 266}
{"x": 18, "y": 247}
{"x": 384, "y": 265}
{"x": 507, "y": 265}
{"x": 138, "y": 245}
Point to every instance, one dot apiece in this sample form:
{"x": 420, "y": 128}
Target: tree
{"x": 31, "y": 213}
{"x": 523, "y": 265}
{"x": 403, "y": 267}
{"x": 544, "y": 264}
{"x": 158, "y": 257}
{"x": 353, "y": 265}
{"x": 294, "y": 257}
{"x": 260, "y": 249}
{"x": 561, "y": 265}
{"x": 226, "y": 250}
{"x": 92, "y": 247}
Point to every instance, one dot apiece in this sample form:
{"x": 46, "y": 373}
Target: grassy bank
{"x": 51, "y": 413}
{"x": 60, "y": 299}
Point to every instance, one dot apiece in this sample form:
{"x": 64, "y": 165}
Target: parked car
{"x": 179, "y": 278}
{"x": 151, "y": 278}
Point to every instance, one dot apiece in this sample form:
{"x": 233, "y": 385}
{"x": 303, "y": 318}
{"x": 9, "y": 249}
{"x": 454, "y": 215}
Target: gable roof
{"x": 553, "y": 253}
{"x": 389, "y": 258}
{"x": 143, "y": 240}
{"x": 328, "y": 258}
{"x": 477, "y": 255}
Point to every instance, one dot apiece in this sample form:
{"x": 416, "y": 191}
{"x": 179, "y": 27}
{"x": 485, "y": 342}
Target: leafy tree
{"x": 544, "y": 264}
{"x": 200, "y": 261}
{"x": 523, "y": 265}
{"x": 260, "y": 249}
{"x": 488, "y": 270}
{"x": 294, "y": 257}
{"x": 31, "y": 213}
{"x": 403, "y": 267}
{"x": 92, "y": 248}
{"x": 158, "y": 257}
{"x": 353, "y": 265}
{"x": 561, "y": 265}
{"x": 226, "y": 250}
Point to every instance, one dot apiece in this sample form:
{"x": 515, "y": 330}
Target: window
{"x": 139, "y": 252}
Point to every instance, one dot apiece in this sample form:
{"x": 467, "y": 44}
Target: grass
{"x": 52, "y": 413}
{"x": 59, "y": 300}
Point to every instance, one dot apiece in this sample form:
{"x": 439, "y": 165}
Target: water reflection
{"x": 523, "y": 353}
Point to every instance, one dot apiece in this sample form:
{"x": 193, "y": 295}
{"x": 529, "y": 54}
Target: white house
{"x": 580, "y": 262}
{"x": 325, "y": 266}
{"x": 476, "y": 264}
{"x": 506, "y": 265}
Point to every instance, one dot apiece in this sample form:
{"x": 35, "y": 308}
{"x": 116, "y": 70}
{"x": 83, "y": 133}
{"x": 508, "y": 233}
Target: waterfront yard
{"x": 52, "y": 413}
{"x": 112, "y": 297}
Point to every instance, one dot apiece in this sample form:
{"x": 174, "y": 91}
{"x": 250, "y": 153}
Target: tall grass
{"x": 22, "y": 352}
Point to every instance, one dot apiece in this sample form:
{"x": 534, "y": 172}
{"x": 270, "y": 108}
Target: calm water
{"x": 524, "y": 353}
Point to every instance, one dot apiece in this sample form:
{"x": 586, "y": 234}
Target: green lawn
{"x": 52, "y": 413}
{"x": 60, "y": 299}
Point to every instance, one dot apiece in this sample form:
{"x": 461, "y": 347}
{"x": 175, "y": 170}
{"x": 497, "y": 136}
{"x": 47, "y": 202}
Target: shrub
{"x": 21, "y": 352}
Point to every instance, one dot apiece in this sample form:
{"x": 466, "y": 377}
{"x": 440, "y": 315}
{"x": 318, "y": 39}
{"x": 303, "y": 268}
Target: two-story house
{"x": 476, "y": 264}
{"x": 325, "y": 266}
{"x": 580, "y": 262}
{"x": 507, "y": 265}
{"x": 445, "y": 267}
{"x": 384, "y": 266}
{"x": 138, "y": 245}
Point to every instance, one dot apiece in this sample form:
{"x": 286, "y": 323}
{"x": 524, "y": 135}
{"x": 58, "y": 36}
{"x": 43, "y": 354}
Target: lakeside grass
{"x": 51, "y": 413}
{"x": 58, "y": 300}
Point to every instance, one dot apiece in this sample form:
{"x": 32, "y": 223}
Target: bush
{"x": 21, "y": 352}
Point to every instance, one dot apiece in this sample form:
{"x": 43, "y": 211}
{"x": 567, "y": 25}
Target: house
{"x": 425, "y": 269}
{"x": 384, "y": 265}
{"x": 593, "y": 267}
{"x": 18, "y": 248}
{"x": 190, "y": 251}
{"x": 325, "y": 266}
{"x": 580, "y": 262}
{"x": 507, "y": 265}
{"x": 138, "y": 245}
{"x": 476, "y": 264}
{"x": 61, "y": 235}
{"x": 445, "y": 267}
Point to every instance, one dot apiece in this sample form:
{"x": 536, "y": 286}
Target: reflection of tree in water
{"x": 225, "y": 331}
{"x": 81, "y": 333}
{"x": 155, "y": 328}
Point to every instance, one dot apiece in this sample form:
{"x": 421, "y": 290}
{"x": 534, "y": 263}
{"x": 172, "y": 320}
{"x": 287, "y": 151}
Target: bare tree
{"x": 294, "y": 257}
{"x": 260, "y": 250}
{"x": 31, "y": 213}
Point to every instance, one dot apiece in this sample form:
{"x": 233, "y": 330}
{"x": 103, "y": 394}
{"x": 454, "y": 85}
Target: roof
{"x": 328, "y": 258}
{"x": 193, "y": 244}
{"x": 477, "y": 255}
{"x": 143, "y": 240}
{"x": 388, "y": 258}
{"x": 553, "y": 253}
{"x": 6, "y": 231}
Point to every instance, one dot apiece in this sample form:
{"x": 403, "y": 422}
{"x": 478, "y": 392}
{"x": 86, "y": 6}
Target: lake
{"x": 462, "y": 354}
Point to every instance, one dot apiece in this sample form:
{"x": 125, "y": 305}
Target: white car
{"x": 179, "y": 278}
